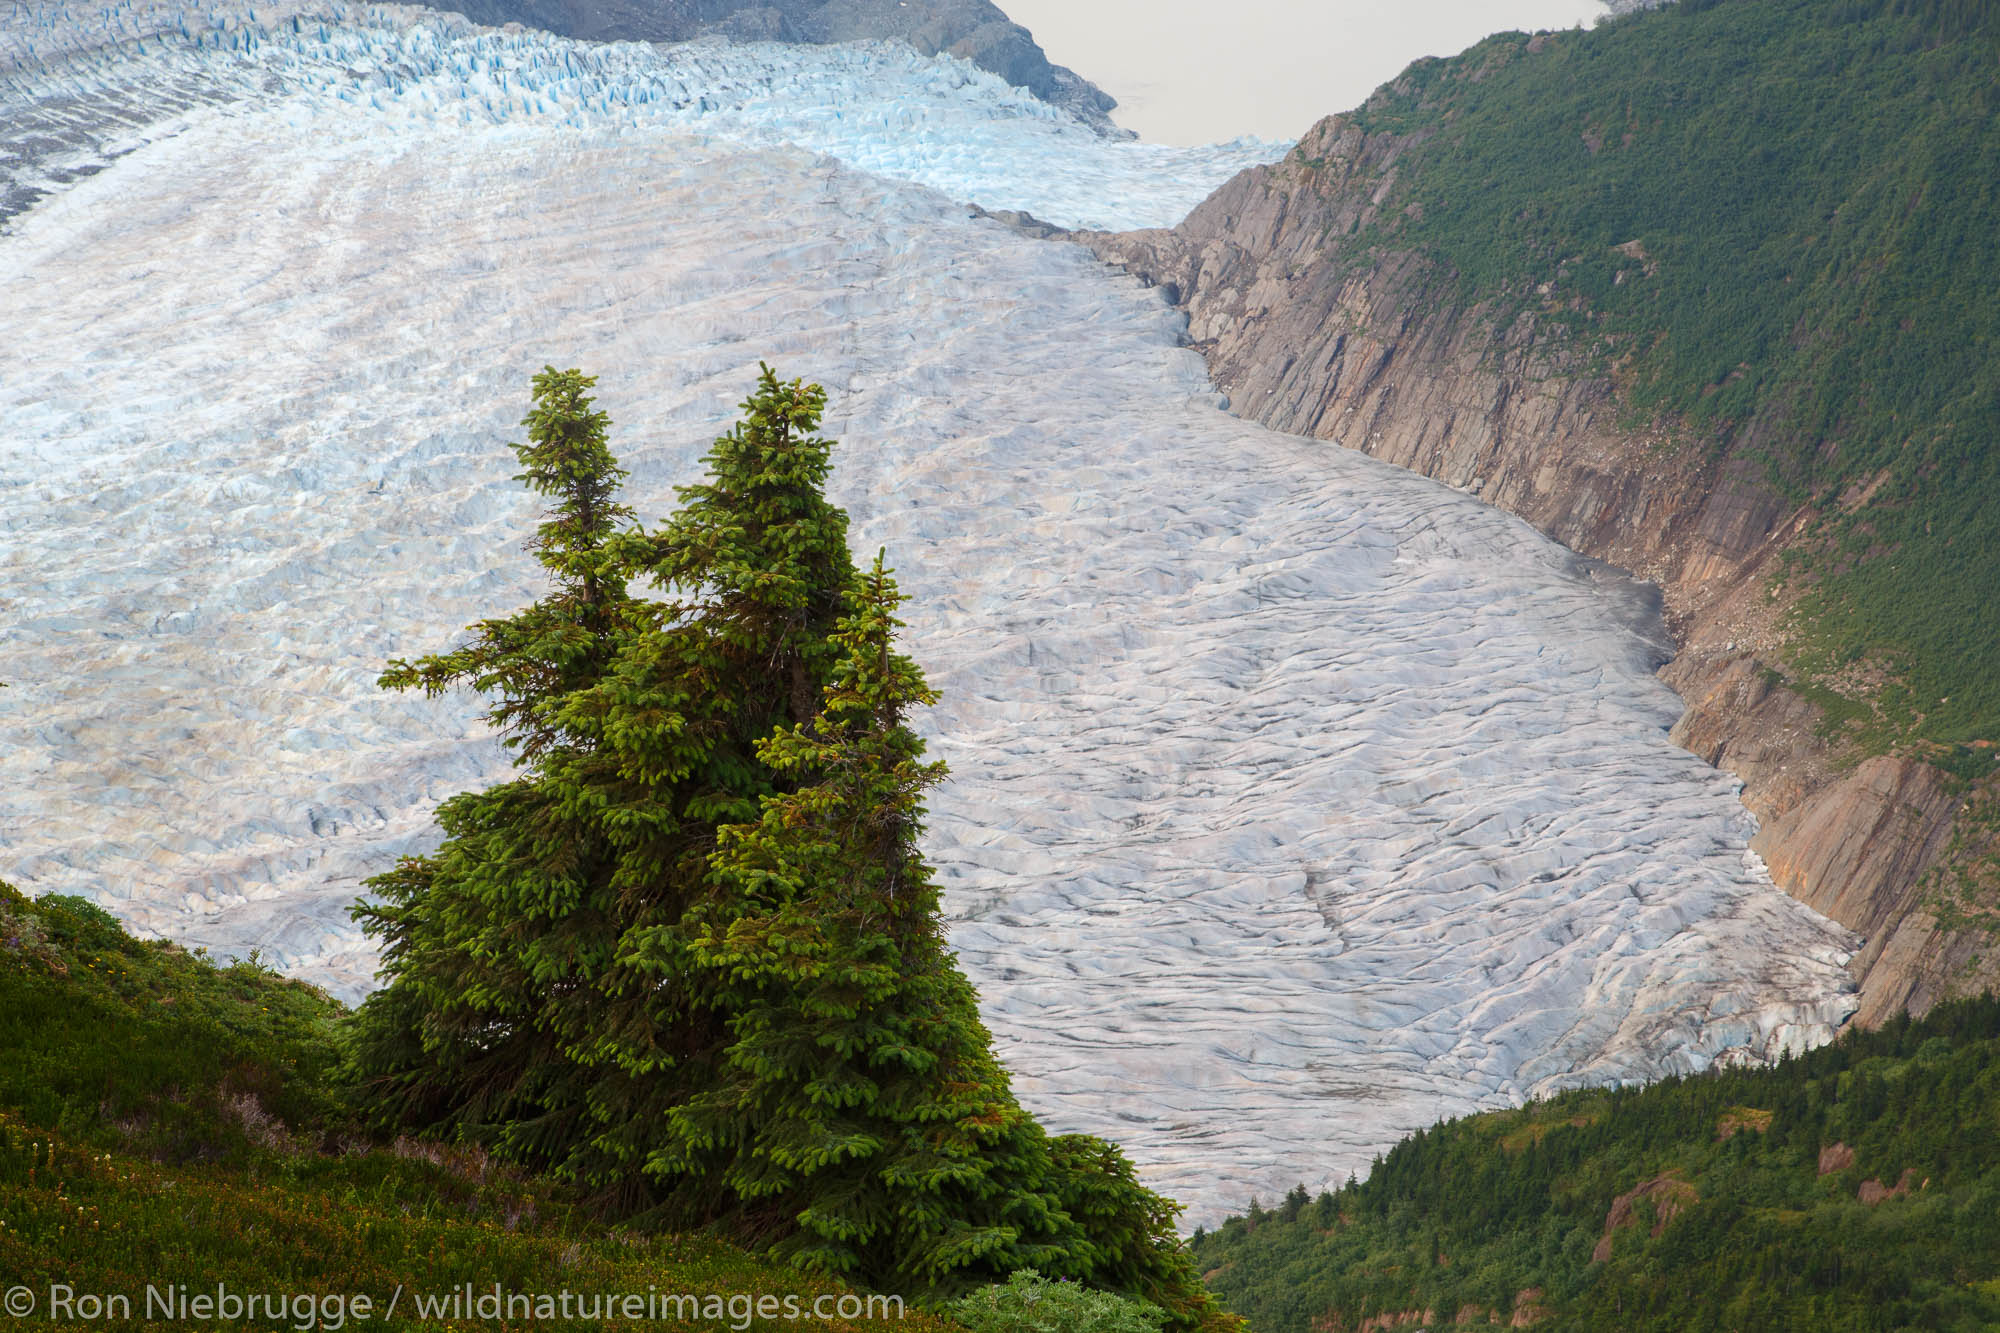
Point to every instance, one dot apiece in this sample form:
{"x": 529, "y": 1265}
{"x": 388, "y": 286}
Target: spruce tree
{"x": 756, "y": 571}
{"x": 501, "y": 925}
{"x": 858, "y": 1099}
{"x": 537, "y": 991}
{"x": 691, "y": 959}
{"x": 858, "y": 1092}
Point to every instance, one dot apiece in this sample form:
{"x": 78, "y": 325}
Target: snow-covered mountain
{"x": 1297, "y": 800}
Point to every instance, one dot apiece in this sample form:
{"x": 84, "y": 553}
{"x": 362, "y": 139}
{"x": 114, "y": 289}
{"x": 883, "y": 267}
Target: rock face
{"x": 1381, "y": 356}
{"x": 1669, "y": 1197}
{"x": 975, "y": 30}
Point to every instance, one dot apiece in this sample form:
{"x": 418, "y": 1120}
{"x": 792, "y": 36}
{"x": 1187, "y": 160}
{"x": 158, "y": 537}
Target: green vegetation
{"x": 169, "y": 1122}
{"x": 1962, "y": 887}
{"x": 691, "y": 960}
{"x": 1029, "y": 1303}
{"x": 1777, "y": 224}
{"x": 1856, "y": 1187}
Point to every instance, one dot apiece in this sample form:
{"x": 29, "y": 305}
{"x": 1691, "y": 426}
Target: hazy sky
{"x": 1199, "y": 71}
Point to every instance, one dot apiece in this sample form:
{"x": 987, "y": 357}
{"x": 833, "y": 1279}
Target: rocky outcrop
{"x": 1873, "y": 1192}
{"x": 1377, "y": 352}
{"x": 1528, "y": 1308}
{"x": 1669, "y": 1197}
{"x": 975, "y": 30}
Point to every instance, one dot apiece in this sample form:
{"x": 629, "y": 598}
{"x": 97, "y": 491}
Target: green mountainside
{"x": 1776, "y": 224}
{"x": 168, "y": 1122}
{"x": 1856, "y": 1187}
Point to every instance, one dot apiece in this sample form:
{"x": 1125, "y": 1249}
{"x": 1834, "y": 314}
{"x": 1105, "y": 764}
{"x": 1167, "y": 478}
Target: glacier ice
{"x": 82, "y": 84}
{"x": 1296, "y": 802}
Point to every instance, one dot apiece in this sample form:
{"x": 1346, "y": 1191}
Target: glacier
{"x": 1296, "y": 802}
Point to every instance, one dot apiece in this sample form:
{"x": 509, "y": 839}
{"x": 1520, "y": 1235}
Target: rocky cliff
{"x": 1376, "y": 352}
{"x": 975, "y": 30}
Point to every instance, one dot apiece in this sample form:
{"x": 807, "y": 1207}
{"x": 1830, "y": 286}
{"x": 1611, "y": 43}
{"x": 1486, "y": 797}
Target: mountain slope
{"x": 1695, "y": 292}
{"x": 1857, "y": 1187}
{"x": 165, "y": 1122}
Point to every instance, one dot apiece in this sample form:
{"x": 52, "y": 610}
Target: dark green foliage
{"x": 166, "y": 1121}
{"x": 858, "y": 1092}
{"x": 535, "y": 660}
{"x": 490, "y": 944}
{"x": 1133, "y": 1246}
{"x": 1474, "y": 1212}
{"x": 756, "y": 564}
{"x": 1029, "y": 1303}
{"x": 1781, "y": 220}
{"x": 538, "y": 983}
{"x": 691, "y": 959}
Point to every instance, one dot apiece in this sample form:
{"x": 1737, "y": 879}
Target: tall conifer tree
{"x": 537, "y": 985}
{"x": 483, "y": 937}
{"x": 859, "y": 1092}
{"x": 692, "y": 958}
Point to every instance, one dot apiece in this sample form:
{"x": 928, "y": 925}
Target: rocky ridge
{"x": 1380, "y": 356}
{"x": 974, "y": 30}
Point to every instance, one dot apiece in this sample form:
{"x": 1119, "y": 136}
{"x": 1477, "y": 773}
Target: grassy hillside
{"x": 1777, "y": 224}
{"x": 1857, "y": 1187}
{"x": 164, "y": 1121}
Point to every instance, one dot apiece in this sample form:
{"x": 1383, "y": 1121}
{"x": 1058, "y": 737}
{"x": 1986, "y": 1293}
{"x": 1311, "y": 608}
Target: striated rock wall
{"x": 1380, "y": 356}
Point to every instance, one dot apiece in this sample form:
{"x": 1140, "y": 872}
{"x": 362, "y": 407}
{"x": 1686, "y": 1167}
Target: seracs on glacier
{"x": 1296, "y": 800}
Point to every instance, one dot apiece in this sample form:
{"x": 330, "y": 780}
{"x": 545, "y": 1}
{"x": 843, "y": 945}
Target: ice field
{"x": 1296, "y": 800}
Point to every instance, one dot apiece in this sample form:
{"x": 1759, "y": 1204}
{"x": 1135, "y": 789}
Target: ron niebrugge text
{"x": 220, "y": 1304}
